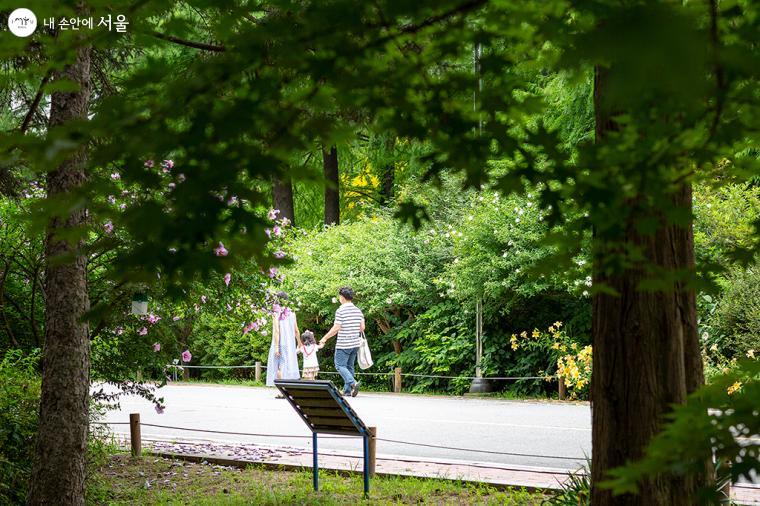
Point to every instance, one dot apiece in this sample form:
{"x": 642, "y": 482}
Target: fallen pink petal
{"x": 227, "y": 279}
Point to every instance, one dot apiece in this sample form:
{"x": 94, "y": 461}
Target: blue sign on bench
{"x": 325, "y": 411}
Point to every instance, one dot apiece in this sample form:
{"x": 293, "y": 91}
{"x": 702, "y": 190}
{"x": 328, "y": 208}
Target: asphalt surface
{"x": 540, "y": 431}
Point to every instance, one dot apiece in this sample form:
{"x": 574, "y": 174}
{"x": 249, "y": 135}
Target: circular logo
{"x": 22, "y": 22}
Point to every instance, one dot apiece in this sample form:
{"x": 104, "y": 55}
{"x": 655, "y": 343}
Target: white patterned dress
{"x": 287, "y": 362}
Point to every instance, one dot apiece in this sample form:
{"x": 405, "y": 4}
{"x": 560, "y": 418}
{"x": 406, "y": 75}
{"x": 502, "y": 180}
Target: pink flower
{"x": 277, "y": 231}
{"x": 220, "y": 250}
{"x": 111, "y": 199}
{"x": 108, "y": 227}
{"x": 272, "y": 214}
{"x": 279, "y": 254}
{"x": 285, "y": 222}
{"x": 175, "y": 318}
{"x": 248, "y": 328}
{"x": 197, "y": 308}
{"x": 143, "y": 331}
{"x": 159, "y": 409}
{"x": 166, "y": 166}
{"x": 227, "y": 278}
{"x": 255, "y": 325}
{"x": 156, "y": 347}
{"x": 203, "y": 299}
{"x": 149, "y": 164}
{"x": 186, "y": 356}
{"x": 268, "y": 233}
{"x": 272, "y": 272}
{"x": 119, "y": 330}
{"x": 171, "y": 186}
{"x": 229, "y": 308}
{"x": 115, "y": 176}
{"x": 153, "y": 319}
{"x": 122, "y": 206}
{"x": 181, "y": 178}
{"x": 232, "y": 201}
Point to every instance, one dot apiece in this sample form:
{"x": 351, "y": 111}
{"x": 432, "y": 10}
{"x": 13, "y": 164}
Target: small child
{"x": 309, "y": 352}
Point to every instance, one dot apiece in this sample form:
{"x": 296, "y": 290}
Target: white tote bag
{"x": 365, "y": 357}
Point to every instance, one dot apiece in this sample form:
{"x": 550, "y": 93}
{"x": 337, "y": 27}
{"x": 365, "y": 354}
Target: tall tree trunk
{"x": 282, "y": 198}
{"x": 646, "y": 352}
{"x": 389, "y": 176}
{"x": 332, "y": 185}
{"x": 59, "y": 468}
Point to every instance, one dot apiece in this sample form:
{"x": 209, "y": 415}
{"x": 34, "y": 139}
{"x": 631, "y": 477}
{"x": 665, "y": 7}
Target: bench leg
{"x": 366, "y": 465}
{"x": 315, "y": 466}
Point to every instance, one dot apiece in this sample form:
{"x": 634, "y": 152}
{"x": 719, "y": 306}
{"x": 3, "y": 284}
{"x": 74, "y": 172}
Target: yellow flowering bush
{"x": 572, "y": 359}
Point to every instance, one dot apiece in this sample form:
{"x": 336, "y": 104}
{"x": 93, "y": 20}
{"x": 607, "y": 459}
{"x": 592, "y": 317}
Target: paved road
{"x": 545, "y": 429}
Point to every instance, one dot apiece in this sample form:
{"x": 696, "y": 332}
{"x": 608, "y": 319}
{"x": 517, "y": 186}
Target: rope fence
{"x": 397, "y": 375}
{"x": 136, "y": 444}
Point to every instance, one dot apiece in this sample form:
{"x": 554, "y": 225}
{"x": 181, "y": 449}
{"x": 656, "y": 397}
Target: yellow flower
{"x": 551, "y": 329}
{"x": 734, "y": 388}
{"x": 524, "y": 334}
{"x": 714, "y": 347}
{"x": 558, "y": 324}
{"x": 563, "y": 348}
{"x": 574, "y": 346}
{"x": 536, "y": 333}
{"x": 555, "y": 346}
{"x": 751, "y": 354}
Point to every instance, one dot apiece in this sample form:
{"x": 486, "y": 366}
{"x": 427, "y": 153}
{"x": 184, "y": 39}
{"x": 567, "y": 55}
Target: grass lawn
{"x": 153, "y": 480}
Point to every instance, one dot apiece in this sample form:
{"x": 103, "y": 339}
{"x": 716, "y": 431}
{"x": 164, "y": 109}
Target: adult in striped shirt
{"x": 348, "y": 325}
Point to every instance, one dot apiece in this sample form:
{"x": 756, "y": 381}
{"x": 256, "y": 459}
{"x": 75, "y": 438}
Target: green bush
{"x": 19, "y": 399}
{"x": 737, "y": 317}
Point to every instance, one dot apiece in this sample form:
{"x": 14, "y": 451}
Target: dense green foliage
{"x": 737, "y": 318}
{"x": 676, "y": 83}
{"x": 19, "y": 397}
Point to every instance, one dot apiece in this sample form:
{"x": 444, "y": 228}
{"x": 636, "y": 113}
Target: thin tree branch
{"x": 189, "y": 43}
{"x": 2, "y": 306}
{"x": 35, "y": 103}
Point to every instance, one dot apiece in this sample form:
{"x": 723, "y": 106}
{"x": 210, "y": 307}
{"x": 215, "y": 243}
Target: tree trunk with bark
{"x": 282, "y": 198}
{"x": 646, "y": 350}
{"x": 332, "y": 185}
{"x": 58, "y": 475}
{"x": 389, "y": 176}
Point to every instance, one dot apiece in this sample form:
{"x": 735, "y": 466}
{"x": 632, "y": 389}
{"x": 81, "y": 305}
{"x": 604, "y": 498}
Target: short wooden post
{"x": 185, "y": 373}
{"x": 562, "y": 389}
{"x": 724, "y": 472}
{"x": 397, "y": 380}
{"x": 134, "y": 434}
{"x": 372, "y": 450}
{"x": 258, "y": 371}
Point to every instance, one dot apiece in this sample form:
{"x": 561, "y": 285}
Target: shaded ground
{"x": 153, "y": 480}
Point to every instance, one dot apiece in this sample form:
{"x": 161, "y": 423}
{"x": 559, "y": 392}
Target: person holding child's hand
{"x": 309, "y": 352}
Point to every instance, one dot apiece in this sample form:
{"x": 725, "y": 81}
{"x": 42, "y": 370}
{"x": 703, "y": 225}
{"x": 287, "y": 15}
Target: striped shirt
{"x": 350, "y": 319}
